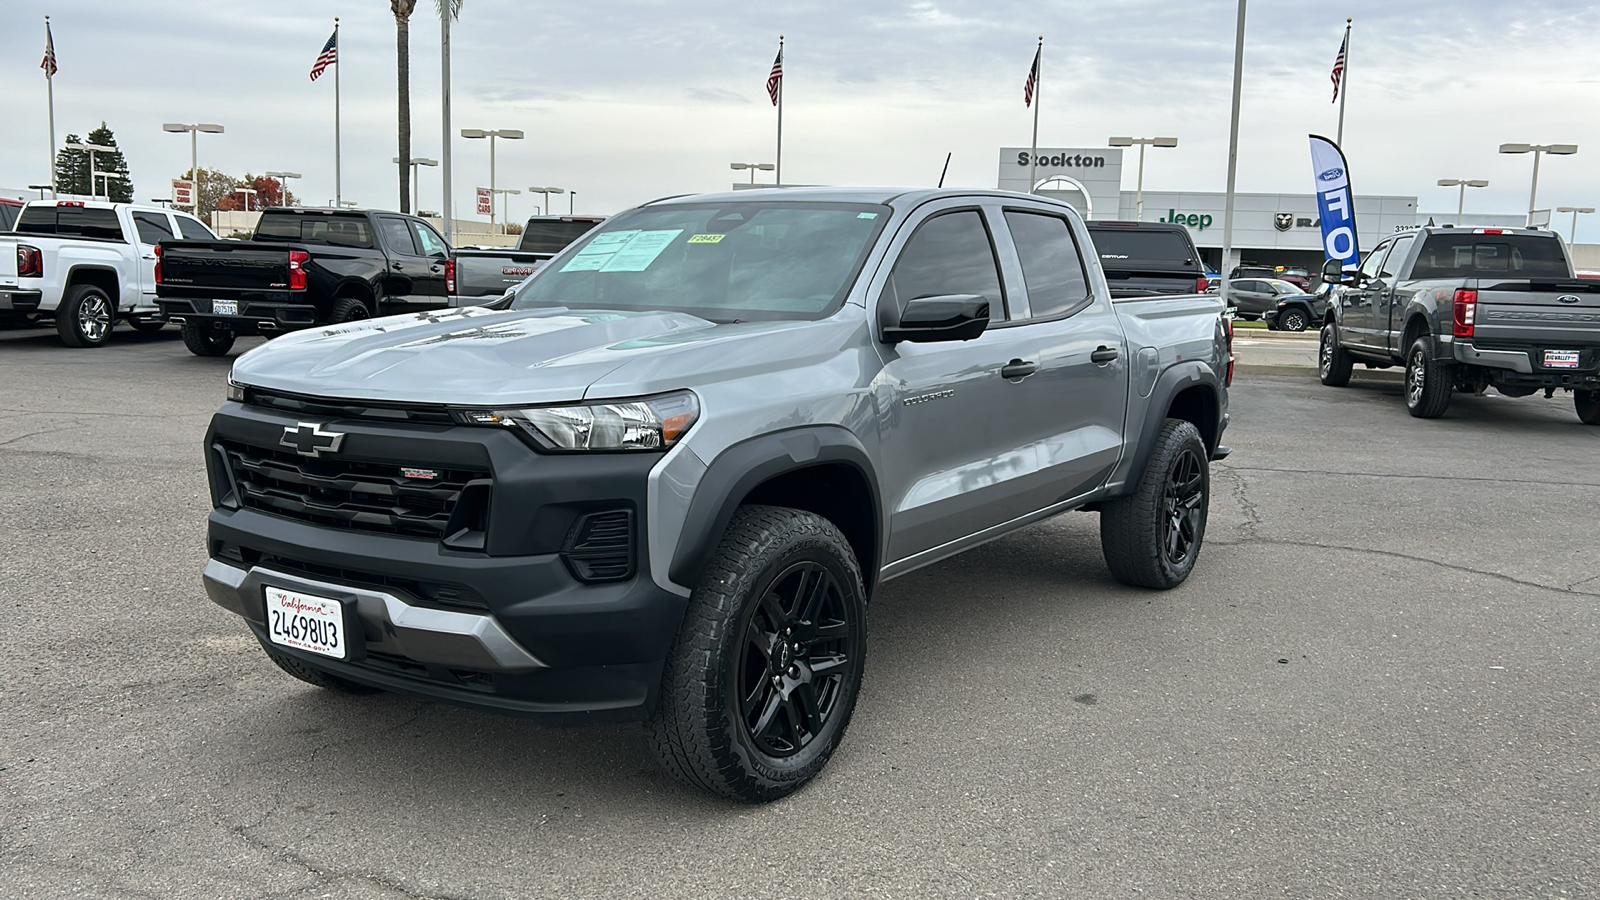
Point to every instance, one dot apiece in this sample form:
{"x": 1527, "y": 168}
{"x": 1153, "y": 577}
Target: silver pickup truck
{"x": 663, "y": 480}
{"x": 1465, "y": 310}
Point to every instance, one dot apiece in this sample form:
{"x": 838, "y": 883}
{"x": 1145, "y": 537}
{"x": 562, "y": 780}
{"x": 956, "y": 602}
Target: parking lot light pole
{"x": 283, "y": 184}
{"x": 1572, "y": 236}
{"x": 510, "y": 134}
{"x": 505, "y": 222}
{"x": 1463, "y": 183}
{"x": 546, "y": 191}
{"x": 416, "y": 162}
{"x": 739, "y": 167}
{"x": 194, "y": 165}
{"x": 1138, "y": 203}
{"x": 1536, "y": 150}
{"x": 92, "y": 148}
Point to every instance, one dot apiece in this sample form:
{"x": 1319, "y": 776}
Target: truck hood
{"x": 470, "y": 355}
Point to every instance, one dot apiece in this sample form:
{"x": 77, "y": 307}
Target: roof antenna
{"x": 946, "y": 169}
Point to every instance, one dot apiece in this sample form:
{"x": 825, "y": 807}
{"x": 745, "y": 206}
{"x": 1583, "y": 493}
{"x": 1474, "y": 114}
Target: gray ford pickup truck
{"x": 1465, "y": 310}
{"x": 663, "y": 480}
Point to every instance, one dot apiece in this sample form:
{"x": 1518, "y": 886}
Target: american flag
{"x": 1033, "y": 79}
{"x": 1338, "y": 68}
{"x": 775, "y": 78}
{"x": 329, "y": 55}
{"x": 49, "y": 62}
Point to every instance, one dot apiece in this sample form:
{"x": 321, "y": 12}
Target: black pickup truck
{"x": 1465, "y": 310}
{"x": 486, "y": 273}
{"x": 302, "y": 268}
{"x": 1144, "y": 259}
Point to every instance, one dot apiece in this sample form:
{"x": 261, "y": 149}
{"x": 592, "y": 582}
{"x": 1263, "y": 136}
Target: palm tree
{"x": 402, "y": 49}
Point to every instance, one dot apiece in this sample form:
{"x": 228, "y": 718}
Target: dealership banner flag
{"x": 1334, "y": 202}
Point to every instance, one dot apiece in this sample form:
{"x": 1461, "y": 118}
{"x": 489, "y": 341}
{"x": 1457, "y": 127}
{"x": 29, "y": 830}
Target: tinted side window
{"x": 429, "y": 240}
{"x": 396, "y": 235}
{"x": 192, "y": 230}
{"x": 1397, "y": 253}
{"x": 153, "y": 227}
{"x": 1051, "y": 266}
{"x": 1369, "y": 267}
{"x": 949, "y": 254}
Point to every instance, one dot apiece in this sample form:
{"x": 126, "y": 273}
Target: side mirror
{"x": 948, "y": 317}
{"x": 1333, "y": 270}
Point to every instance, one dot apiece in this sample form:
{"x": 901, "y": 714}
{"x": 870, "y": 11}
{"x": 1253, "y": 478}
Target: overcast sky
{"x": 626, "y": 100}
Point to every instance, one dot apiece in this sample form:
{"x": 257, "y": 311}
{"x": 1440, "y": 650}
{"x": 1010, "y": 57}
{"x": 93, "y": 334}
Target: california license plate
{"x": 1561, "y": 359}
{"x": 225, "y": 307}
{"x": 306, "y": 622}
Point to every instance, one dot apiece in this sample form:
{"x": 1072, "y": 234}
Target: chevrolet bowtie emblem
{"x": 308, "y": 439}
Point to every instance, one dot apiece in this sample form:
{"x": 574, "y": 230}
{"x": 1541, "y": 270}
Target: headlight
{"x": 650, "y": 423}
{"x": 235, "y": 389}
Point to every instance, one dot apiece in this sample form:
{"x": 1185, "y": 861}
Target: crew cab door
{"x": 950, "y": 420}
{"x": 432, "y": 246}
{"x": 407, "y": 272}
{"x": 151, "y": 228}
{"x": 1357, "y": 319}
{"x": 1390, "y": 300}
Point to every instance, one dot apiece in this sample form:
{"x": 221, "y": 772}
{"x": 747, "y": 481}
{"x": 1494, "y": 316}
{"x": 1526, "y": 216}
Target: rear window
{"x": 552, "y": 237}
{"x": 330, "y": 231}
{"x": 70, "y": 221}
{"x": 1470, "y": 255}
{"x": 1118, "y": 247}
{"x": 8, "y": 215}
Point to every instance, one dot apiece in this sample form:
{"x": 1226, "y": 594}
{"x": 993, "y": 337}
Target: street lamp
{"x": 194, "y": 165}
{"x": 546, "y": 191}
{"x": 510, "y": 134}
{"x": 1536, "y": 149}
{"x": 415, "y": 162}
{"x": 283, "y": 184}
{"x": 107, "y": 176}
{"x": 739, "y": 167}
{"x": 248, "y": 193}
{"x": 1572, "y": 236}
{"x": 1138, "y": 203}
{"x": 502, "y": 192}
{"x": 1463, "y": 183}
{"x": 78, "y": 145}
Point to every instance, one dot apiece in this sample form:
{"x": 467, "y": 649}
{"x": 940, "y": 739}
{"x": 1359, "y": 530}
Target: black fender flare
{"x": 1172, "y": 382}
{"x": 739, "y": 469}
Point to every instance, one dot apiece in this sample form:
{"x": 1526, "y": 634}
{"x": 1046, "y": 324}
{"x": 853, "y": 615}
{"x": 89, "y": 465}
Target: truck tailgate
{"x": 225, "y": 265}
{"x": 1538, "y": 315}
{"x": 8, "y": 261}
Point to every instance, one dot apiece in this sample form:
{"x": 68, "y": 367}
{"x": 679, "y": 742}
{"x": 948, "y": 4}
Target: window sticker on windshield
{"x": 706, "y": 238}
{"x": 639, "y": 253}
{"x": 599, "y": 251}
{"x": 867, "y": 216}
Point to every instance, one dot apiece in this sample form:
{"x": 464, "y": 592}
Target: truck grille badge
{"x": 308, "y": 439}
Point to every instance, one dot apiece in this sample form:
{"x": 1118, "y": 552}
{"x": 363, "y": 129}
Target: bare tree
{"x": 402, "y": 49}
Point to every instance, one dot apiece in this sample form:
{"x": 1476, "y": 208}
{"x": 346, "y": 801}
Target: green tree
{"x": 72, "y": 168}
{"x": 402, "y": 25}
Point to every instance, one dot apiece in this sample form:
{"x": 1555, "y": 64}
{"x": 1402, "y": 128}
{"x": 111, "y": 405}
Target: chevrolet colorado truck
{"x": 86, "y": 264}
{"x": 301, "y": 268}
{"x": 663, "y": 480}
{"x": 1465, "y": 310}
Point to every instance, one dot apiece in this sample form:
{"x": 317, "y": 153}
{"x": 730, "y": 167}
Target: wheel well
{"x": 355, "y": 292}
{"x": 837, "y": 492}
{"x": 1197, "y": 405}
{"x": 1416, "y": 326}
{"x": 104, "y": 279}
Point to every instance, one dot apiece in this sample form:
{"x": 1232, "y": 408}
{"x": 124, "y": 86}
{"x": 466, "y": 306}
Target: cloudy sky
{"x": 625, "y": 100}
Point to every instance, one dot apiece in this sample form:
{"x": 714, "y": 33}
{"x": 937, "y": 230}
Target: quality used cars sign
{"x": 1332, "y": 179}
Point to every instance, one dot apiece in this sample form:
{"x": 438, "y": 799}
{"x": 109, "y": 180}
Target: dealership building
{"x": 1268, "y": 229}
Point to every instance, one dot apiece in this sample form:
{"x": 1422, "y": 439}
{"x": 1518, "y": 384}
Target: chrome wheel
{"x": 1325, "y": 355}
{"x": 1416, "y": 377}
{"x": 1182, "y": 507}
{"x": 94, "y": 318}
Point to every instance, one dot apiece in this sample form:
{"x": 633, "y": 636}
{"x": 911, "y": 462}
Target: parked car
{"x": 1253, "y": 297}
{"x": 86, "y": 264}
{"x": 1145, "y": 258}
{"x": 488, "y": 272}
{"x": 302, "y": 268}
{"x": 1464, "y": 310}
{"x": 1252, "y": 271}
{"x": 1213, "y": 278}
{"x": 662, "y": 480}
{"x": 9, "y": 210}
{"x": 1295, "y": 312}
{"x": 1298, "y": 276}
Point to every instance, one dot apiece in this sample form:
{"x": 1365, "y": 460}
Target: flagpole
{"x": 338, "y": 63}
{"x": 1233, "y": 150}
{"x": 777, "y": 174}
{"x": 50, "y": 96}
{"x": 1038, "y": 84}
{"x": 1344, "y": 82}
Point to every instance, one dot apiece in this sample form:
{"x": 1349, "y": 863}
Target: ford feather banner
{"x": 1334, "y": 202}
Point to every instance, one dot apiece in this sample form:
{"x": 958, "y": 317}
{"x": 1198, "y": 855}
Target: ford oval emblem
{"x": 1330, "y": 175}
{"x": 1567, "y": 298}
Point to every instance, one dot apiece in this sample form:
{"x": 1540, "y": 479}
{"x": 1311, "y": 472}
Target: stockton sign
{"x": 1064, "y": 161}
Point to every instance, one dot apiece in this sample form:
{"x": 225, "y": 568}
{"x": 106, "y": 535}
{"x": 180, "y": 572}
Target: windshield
{"x": 734, "y": 261}
{"x": 1468, "y": 255}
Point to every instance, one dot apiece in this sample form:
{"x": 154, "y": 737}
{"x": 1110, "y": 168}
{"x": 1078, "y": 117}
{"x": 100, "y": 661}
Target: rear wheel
{"x": 85, "y": 317}
{"x": 1588, "y": 406}
{"x": 1428, "y": 382}
{"x": 207, "y": 338}
{"x": 349, "y": 309}
{"x": 1151, "y": 537}
{"x": 1333, "y": 362}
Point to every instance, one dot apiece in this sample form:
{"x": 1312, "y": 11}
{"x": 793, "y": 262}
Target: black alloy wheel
{"x": 1151, "y": 537}
{"x": 797, "y": 651}
{"x": 1183, "y": 504}
{"x": 1292, "y": 320}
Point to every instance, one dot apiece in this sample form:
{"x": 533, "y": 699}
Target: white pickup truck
{"x": 88, "y": 263}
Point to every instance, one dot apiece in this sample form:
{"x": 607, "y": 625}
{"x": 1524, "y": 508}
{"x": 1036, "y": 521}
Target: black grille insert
{"x": 452, "y": 506}
{"x": 600, "y": 546}
{"x": 357, "y": 409}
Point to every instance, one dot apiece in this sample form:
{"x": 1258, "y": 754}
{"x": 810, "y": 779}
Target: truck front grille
{"x": 452, "y": 506}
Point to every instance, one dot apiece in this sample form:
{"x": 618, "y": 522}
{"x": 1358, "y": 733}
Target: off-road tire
{"x": 207, "y": 338}
{"x": 148, "y": 326}
{"x": 1292, "y": 320}
{"x": 85, "y": 317}
{"x": 1429, "y": 385}
{"x": 349, "y": 309}
{"x": 1333, "y": 361}
{"x": 1173, "y": 496}
{"x": 1587, "y": 403}
{"x": 313, "y": 675}
{"x": 724, "y": 658}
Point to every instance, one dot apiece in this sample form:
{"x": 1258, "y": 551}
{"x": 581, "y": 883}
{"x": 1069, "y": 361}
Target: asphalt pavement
{"x": 1379, "y": 682}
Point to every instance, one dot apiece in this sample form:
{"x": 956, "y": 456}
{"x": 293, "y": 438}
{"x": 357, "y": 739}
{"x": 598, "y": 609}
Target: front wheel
{"x": 1588, "y": 405}
{"x": 85, "y": 317}
{"x": 207, "y": 338}
{"x": 1292, "y": 320}
{"x": 1333, "y": 361}
{"x": 1428, "y": 382}
{"x": 763, "y": 678}
{"x": 1151, "y": 537}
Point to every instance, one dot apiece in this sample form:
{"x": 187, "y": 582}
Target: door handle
{"x": 1018, "y": 369}
{"x": 397, "y": 267}
{"x": 1103, "y": 355}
